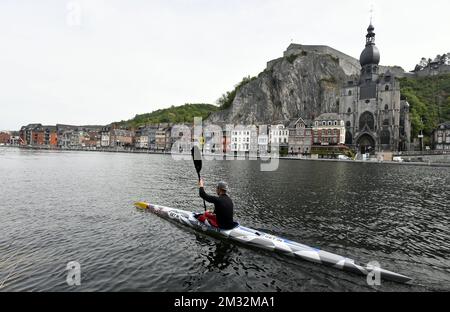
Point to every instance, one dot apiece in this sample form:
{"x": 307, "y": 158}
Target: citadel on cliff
{"x": 309, "y": 81}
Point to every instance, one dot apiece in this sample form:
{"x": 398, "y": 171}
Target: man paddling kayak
{"x": 222, "y": 217}
{"x": 258, "y": 239}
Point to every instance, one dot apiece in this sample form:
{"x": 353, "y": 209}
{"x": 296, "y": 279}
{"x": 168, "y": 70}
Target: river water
{"x": 57, "y": 207}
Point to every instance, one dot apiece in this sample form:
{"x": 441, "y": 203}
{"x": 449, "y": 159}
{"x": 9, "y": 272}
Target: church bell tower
{"x": 369, "y": 60}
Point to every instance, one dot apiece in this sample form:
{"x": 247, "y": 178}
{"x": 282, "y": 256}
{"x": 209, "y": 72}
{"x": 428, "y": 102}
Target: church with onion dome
{"x": 376, "y": 118}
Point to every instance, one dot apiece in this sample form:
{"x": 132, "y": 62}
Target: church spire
{"x": 370, "y": 37}
{"x": 371, "y": 14}
{"x": 369, "y": 59}
{"x": 371, "y": 54}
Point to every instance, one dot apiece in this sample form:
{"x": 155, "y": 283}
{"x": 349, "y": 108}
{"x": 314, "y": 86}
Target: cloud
{"x": 129, "y": 57}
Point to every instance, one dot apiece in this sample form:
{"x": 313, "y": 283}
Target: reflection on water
{"x": 220, "y": 253}
{"x": 58, "y": 207}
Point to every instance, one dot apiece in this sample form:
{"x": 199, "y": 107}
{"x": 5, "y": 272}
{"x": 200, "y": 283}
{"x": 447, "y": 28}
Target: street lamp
{"x": 420, "y": 136}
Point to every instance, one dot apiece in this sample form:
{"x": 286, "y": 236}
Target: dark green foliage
{"x": 179, "y": 114}
{"x": 429, "y": 98}
{"x": 227, "y": 99}
{"x": 350, "y": 153}
{"x": 291, "y": 58}
{"x": 284, "y": 151}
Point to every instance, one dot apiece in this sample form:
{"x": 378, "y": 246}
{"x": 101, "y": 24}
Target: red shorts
{"x": 210, "y": 217}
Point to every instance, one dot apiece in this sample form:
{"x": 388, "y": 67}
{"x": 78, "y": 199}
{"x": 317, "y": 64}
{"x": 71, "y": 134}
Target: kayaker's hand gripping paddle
{"x": 197, "y": 158}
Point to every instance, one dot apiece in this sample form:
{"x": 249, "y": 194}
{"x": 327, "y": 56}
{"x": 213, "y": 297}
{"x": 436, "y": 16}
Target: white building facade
{"x": 240, "y": 139}
{"x": 279, "y": 135}
{"x": 104, "y": 140}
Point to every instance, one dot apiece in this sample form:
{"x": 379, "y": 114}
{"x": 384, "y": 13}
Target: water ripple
{"x": 58, "y": 207}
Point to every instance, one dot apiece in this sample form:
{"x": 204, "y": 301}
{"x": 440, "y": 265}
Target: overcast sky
{"x": 94, "y": 61}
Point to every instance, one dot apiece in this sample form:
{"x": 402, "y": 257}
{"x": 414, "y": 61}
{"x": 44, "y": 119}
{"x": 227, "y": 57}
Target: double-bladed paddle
{"x": 197, "y": 158}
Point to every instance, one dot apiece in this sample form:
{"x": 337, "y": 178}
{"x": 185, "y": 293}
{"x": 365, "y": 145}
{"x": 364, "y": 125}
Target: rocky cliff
{"x": 305, "y": 82}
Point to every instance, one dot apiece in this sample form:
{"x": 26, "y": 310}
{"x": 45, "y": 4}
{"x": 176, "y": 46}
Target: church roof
{"x": 445, "y": 125}
{"x": 370, "y": 54}
{"x": 296, "y": 121}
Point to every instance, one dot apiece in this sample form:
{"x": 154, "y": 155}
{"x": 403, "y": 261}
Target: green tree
{"x": 227, "y": 98}
{"x": 429, "y": 98}
{"x": 179, "y": 114}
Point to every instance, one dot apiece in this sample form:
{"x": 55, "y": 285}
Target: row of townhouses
{"x": 9, "y": 138}
{"x": 324, "y": 135}
{"x": 154, "y": 137}
{"x": 298, "y": 136}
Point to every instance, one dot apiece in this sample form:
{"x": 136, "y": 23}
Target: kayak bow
{"x": 270, "y": 242}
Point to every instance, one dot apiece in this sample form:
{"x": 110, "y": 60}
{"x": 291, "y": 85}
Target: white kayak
{"x": 270, "y": 242}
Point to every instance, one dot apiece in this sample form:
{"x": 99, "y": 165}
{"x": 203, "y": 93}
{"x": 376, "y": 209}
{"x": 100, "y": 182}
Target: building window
{"x": 349, "y": 110}
{"x": 348, "y": 124}
{"x": 386, "y": 107}
{"x": 386, "y": 88}
{"x": 367, "y": 119}
{"x": 324, "y": 123}
{"x": 335, "y": 123}
{"x": 350, "y": 92}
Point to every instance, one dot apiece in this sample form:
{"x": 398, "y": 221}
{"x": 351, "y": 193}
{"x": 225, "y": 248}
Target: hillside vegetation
{"x": 429, "y": 98}
{"x": 227, "y": 98}
{"x": 179, "y": 114}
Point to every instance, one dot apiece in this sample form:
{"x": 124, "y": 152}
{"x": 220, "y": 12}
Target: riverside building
{"x": 375, "y": 117}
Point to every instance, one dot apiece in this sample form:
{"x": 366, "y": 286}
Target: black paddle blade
{"x": 197, "y": 157}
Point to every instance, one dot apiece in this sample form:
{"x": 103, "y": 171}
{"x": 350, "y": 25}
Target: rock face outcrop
{"x": 305, "y": 82}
